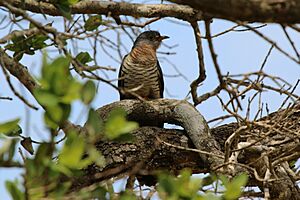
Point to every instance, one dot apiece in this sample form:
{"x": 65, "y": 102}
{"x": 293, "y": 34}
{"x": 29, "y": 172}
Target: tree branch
{"x": 18, "y": 70}
{"x": 161, "y": 149}
{"x": 176, "y": 112}
{"x": 276, "y": 11}
{"x": 112, "y": 8}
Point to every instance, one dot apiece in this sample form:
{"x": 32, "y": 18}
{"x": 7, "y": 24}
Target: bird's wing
{"x": 160, "y": 80}
{"x": 121, "y": 78}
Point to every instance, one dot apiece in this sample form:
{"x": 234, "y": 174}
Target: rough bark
{"x": 18, "y": 70}
{"x": 112, "y": 9}
{"x": 176, "y": 112}
{"x": 277, "y": 11}
{"x": 150, "y": 150}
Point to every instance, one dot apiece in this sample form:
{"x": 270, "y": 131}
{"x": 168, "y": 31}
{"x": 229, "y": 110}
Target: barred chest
{"x": 141, "y": 76}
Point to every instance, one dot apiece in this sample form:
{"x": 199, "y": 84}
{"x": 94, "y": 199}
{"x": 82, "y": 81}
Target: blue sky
{"x": 238, "y": 52}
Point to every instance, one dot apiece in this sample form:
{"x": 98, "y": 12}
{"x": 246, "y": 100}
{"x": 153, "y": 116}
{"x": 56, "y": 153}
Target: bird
{"x": 140, "y": 74}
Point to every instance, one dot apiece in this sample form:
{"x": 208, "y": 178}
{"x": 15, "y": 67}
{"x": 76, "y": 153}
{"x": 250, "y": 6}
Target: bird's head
{"x": 152, "y": 38}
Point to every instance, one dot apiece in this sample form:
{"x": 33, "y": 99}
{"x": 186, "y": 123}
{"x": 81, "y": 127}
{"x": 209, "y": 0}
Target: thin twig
{"x": 13, "y": 89}
{"x": 290, "y": 41}
{"x": 270, "y": 41}
{"x": 188, "y": 149}
{"x": 202, "y": 74}
{"x": 6, "y": 98}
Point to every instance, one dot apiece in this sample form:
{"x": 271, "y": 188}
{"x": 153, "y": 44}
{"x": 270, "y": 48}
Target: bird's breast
{"x": 143, "y": 54}
{"x": 142, "y": 76}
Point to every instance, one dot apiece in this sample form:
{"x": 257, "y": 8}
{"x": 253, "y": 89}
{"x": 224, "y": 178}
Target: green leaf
{"x": 182, "y": 187}
{"x": 84, "y": 57}
{"x": 189, "y": 186}
{"x": 59, "y": 77}
{"x": 14, "y": 191}
{"x": 31, "y": 25}
{"x": 61, "y": 190}
{"x": 224, "y": 180}
{"x": 98, "y": 193}
{"x": 17, "y": 39}
{"x": 72, "y": 93}
{"x": 58, "y": 85}
{"x": 94, "y": 125}
{"x": 26, "y": 45}
{"x": 66, "y": 111}
{"x": 38, "y": 41}
{"x": 16, "y": 132}
{"x": 10, "y": 128}
{"x": 127, "y": 195}
{"x": 72, "y": 152}
{"x": 45, "y": 98}
{"x": 208, "y": 180}
{"x": 72, "y": 2}
{"x": 27, "y": 144}
{"x": 57, "y": 71}
{"x": 166, "y": 186}
{"x": 59, "y": 113}
{"x": 55, "y": 113}
{"x": 93, "y": 23}
{"x": 62, "y": 169}
{"x": 5, "y": 145}
{"x": 50, "y": 123}
{"x": 12, "y": 47}
{"x": 117, "y": 124}
{"x": 88, "y": 92}
{"x": 96, "y": 156}
{"x": 233, "y": 188}
{"x": 44, "y": 152}
{"x": 64, "y": 7}
{"x": 12, "y": 149}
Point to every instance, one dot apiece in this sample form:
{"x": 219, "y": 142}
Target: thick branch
{"x": 156, "y": 148}
{"x": 176, "y": 112}
{"x": 277, "y": 11}
{"x": 18, "y": 70}
{"x": 146, "y": 153}
{"x": 113, "y": 8}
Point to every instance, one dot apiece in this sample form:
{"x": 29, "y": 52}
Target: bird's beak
{"x": 163, "y": 37}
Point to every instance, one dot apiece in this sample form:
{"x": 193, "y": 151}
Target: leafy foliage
{"x": 93, "y": 22}
{"x": 11, "y": 128}
{"x": 182, "y": 187}
{"x": 186, "y": 187}
{"x": 27, "y": 44}
{"x": 84, "y": 57}
{"x": 44, "y": 175}
{"x": 117, "y": 125}
{"x": 65, "y": 7}
{"x": 88, "y": 92}
{"x": 12, "y": 187}
{"x": 233, "y": 187}
{"x": 58, "y": 90}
